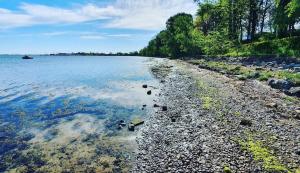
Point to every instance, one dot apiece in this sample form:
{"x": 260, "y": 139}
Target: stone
{"x": 131, "y": 127}
{"x": 149, "y": 92}
{"x": 164, "y": 108}
{"x": 245, "y": 122}
{"x": 279, "y": 84}
{"x": 272, "y": 105}
{"x": 173, "y": 120}
{"x": 145, "y": 86}
{"x": 296, "y": 69}
{"x": 295, "y": 91}
{"x": 27, "y": 57}
{"x": 156, "y": 105}
{"x": 122, "y": 123}
{"x": 137, "y": 122}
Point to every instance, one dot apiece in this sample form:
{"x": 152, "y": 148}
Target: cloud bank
{"x": 123, "y": 14}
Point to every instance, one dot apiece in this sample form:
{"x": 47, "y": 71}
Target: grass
{"x": 281, "y": 47}
{"x": 208, "y": 96}
{"x": 226, "y": 169}
{"x": 264, "y": 155}
{"x": 248, "y": 72}
{"x": 207, "y": 102}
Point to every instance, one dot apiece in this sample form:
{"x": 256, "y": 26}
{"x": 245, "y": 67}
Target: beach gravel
{"x": 208, "y": 119}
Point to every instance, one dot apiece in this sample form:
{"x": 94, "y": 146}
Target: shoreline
{"x": 215, "y": 124}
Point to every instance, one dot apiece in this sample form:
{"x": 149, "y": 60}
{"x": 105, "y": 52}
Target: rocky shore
{"x": 213, "y": 123}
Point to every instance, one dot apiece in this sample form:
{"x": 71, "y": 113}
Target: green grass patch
{"x": 282, "y": 47}
{"x": 263, "y": 154}
{"x": 207, "y": 102}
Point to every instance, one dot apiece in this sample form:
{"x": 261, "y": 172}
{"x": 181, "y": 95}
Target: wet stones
{"x": 145, "y": 86}
{"x": 245, "y": 122}
{"x": 149, "y": 92}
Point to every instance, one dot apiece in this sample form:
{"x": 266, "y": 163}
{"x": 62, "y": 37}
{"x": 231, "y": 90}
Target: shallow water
{"x": 61, "y": 114}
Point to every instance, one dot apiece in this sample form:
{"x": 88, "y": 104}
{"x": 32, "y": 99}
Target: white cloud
{"x": 131, "y": 14}
{"x": 92, "y": 37}
{"x": 120, "y": 35}
{"x": 149, "y": 14}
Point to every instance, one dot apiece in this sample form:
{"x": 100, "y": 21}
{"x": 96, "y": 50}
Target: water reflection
{"x": 60, "y": 114}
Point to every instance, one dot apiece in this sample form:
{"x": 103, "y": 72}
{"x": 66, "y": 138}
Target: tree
{"x": 179, "y": 28}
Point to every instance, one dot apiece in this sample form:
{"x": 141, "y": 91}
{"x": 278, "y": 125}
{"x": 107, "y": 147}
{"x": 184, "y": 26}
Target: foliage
{"x": 216, "y": 44}
{"x": 231, "y": 27}
{"x": 284, "y": 47}
{"x": 178, "y": 40}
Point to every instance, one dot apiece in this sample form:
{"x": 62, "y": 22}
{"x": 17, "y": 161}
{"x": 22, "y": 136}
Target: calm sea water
{"x": 61, "y": 114}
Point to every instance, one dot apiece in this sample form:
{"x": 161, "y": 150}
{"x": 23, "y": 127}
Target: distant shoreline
{"x": 78, "y": 54}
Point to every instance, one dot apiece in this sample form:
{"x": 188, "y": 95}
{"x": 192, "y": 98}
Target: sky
{"x": 52, "y": 26}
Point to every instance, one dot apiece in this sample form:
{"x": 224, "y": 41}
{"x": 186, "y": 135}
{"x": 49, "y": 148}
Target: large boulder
{"x": 295, "y": 91}
{"x": 279, "y": 84}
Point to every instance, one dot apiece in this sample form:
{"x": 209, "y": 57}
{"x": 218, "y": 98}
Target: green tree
{"x": 179, "y": 29}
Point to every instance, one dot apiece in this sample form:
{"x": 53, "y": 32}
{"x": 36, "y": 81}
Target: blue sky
{"x": 51, "y": 26}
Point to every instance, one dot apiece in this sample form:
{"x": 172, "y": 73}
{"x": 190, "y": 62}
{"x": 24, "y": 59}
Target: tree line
{"x": 223, "y": 25}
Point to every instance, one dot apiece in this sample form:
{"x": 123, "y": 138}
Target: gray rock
{"x": 164, "y": 108}
{"x": 131, "y": 127}
{"x": 156, "y": 105}
{"x": 296, "y": 69}
{"x": 295, "y": 91}
{"x": 279, "y": 84}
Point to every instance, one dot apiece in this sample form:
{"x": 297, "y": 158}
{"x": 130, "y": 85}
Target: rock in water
{"x": 131, "y": 127}
{"x": 280, "y": 84}
{"x": 149, "y": 92}
{"x": 27, "y": 57}
{"x": 137, "y": 122}
{"x": 145, "y": 86}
